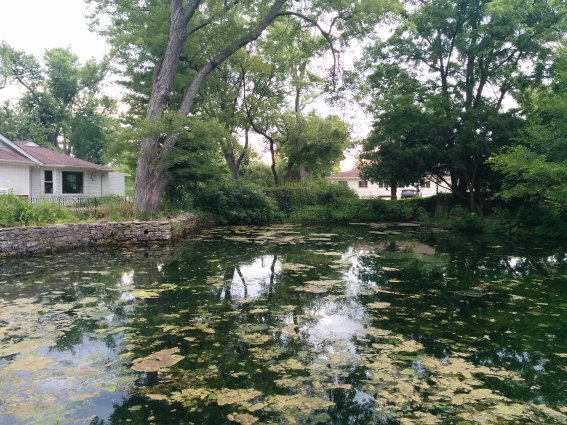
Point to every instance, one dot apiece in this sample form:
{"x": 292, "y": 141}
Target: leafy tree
{"x": 535, "y": 170}
{"x": 18, "y": 124}
{"x": 406, "y": 131}
{"x": 315, "y": 145}
{"x": 168, "y": 51}
{"x": 466, "y": 58}
{"x": 279, "y": 87}
{"x": 532, "y": 178}
{"x": 60, "y": 102}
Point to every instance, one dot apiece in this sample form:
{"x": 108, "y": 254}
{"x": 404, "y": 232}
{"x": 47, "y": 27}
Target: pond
{"x": 288, "y": 324}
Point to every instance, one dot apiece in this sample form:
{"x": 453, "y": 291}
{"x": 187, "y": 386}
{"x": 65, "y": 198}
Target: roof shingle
{"x": 14, "y": 157}
{"x": 56, "y": 159}
{"x": 351, "y": 174}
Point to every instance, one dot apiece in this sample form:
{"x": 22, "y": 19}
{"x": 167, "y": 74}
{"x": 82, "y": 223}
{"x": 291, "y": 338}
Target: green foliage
{"x": 258, "y": 173}
{"x": 535, "y": 171}
{"x": 435, "y": 69}
{"x": 324, "y": 201}
{"x": 114, "y": 208}
{"x": 15, "y": 211}
{"x": 315, "y": 193}
{"x": 196, "y": 157}
{"x": 19, "y": 124}
{"x": 360, "y": 210}
{"x": 462, "y": 220}
{"x": 312, "y": 142}
{"x": 60, "y": 102}
{"x": 236, "y": 203}
{"x": 527, "y": 220}
{"x": 531, "y": 177}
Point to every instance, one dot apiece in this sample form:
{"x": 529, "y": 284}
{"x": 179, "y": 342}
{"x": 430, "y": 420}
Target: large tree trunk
{"x": 233, "y": 165}
{"x": 151, "y": 176}
{"x": 393, "y": 190}
{"x": 148, "y": 195}
{"x": 151, "y": 181}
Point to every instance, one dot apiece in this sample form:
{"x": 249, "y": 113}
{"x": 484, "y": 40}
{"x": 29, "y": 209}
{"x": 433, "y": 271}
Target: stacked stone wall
{"x": 24, "y": 241}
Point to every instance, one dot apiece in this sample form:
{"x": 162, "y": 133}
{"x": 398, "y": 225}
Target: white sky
{"x": 37, "y": 25}
{"x": 34, "y": 26}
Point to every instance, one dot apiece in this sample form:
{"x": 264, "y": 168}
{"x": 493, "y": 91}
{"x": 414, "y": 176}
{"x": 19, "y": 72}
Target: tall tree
{"x": 406, "y": 131}
{"x": 535, "y": 170}
{"x": 468, "y": 57}
{"x": 56, "y": 96}
{"x": 180, "y": 47}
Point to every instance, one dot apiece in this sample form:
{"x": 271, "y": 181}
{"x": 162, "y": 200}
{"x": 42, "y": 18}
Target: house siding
{"x": 374, "y": 191}
{"x": 92, "y": 183}
{"x": 91, "y": 187}
{"x": 15, "y": 178}
{"x": 113, "y": 184}
{"x": 36, "y": 182}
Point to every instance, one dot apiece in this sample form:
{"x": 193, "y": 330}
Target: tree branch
{"x": 326, "y": 35}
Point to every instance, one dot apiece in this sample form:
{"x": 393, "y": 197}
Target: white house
{"x": 366, "y": 189}
{"x": 29, "y": 170}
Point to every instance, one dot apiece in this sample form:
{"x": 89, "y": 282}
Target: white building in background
{"x": 31, "y": 171}
{"x": 366, "y": 189}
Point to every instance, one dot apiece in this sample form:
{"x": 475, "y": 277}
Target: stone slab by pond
{"x": 23, "y": 241}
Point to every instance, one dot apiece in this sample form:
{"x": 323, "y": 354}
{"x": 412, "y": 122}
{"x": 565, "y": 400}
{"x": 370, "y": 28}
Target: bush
{"x": 294, "y": 200}
{"x": 237, "y": 203}
{"x": 15, "y": 211}
{"x": 524, "y": 219}
{"x": 114, "y": 208}
{"x": 463, "y": 220}
{"x": 338, "y": 203}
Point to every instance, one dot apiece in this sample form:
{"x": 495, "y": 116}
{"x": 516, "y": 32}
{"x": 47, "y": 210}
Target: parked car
{"x": 410, "y": 192}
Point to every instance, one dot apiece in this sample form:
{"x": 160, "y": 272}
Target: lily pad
{"x": 159, "y": 360}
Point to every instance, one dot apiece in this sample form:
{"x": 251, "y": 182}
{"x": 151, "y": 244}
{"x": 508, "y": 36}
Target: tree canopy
{"x": 167, "y": 51}
{"x": 61, "y": 106}
{"x": 461, "y": 63}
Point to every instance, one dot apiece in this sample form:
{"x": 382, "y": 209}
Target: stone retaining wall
{"x": 24, "y": 241}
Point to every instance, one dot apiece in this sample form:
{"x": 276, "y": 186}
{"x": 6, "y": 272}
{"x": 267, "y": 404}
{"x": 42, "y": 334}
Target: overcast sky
{"x": 37, "y": 25}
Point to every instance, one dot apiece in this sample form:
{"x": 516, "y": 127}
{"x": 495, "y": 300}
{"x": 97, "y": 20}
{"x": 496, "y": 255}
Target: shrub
{"x": 15, "y": 211}
{"x": 463, "y": 220}
{"x": 115, "y": 208}
{"x": 237, "y": 203}
{"x": 297, "y": 200}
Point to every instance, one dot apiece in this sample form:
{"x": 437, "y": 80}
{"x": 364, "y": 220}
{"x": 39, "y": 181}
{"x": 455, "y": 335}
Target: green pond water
{"x": 288, "y": 324}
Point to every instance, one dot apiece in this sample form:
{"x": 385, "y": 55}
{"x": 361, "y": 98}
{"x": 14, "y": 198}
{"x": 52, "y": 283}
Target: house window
{"x": 427, "y": 183}
{"x": 48, "y": 182}
{"x": 72, "y": 182}
{"x": 343, "y": 183}
{"x": 362, "y": 183}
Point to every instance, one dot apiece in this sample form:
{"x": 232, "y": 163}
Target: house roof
{"x": 346, "y": 175}
{"x": 55, "y": 159}
{"x": 14, "y": 157}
